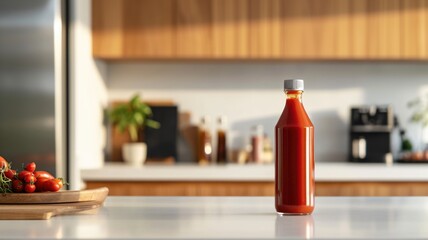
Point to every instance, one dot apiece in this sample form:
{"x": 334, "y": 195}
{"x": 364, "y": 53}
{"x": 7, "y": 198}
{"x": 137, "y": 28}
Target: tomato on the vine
{"x": 23, "y": 174}
{"x": 31, "y": 167}
{"x": 10, "y": 174}
{"x": 29, "y": 188}
{"x": 30, "y": 179}
{"x": 60, "y": 182}
{"x": 40, "y": 184}
{"x": 43, "y": 174}
{"x": 51, "y": 185}
{"x": 17, "y": 186}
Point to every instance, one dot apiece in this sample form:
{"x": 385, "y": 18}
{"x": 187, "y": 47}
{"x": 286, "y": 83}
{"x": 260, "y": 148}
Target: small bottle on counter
{"x": 221, "y": 140}
{"x": 267, "y": 150}
{"x": 204, "y": 142}
{"x": 257, "y": 140}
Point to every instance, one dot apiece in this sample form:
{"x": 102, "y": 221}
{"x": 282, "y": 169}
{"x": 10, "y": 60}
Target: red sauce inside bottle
{"x": 294, "y": 165}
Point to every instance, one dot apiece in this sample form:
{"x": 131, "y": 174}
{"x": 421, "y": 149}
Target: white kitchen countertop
{"x": 323, "y": 172}
{"x": 233, "y": 217}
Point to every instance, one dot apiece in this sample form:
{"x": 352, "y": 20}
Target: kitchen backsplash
{"x": 250, "y": 93}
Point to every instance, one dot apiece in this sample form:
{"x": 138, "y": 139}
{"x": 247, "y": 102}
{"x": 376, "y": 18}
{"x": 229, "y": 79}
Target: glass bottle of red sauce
{"x": 294, "y": 156}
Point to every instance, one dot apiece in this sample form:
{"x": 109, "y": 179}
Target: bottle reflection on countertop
{"x": 294, "y": 226}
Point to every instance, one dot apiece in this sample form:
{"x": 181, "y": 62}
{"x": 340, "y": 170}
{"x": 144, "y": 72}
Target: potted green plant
{"x": 133, "y": 116}
{"x": 420, "y": 116}
{"x": 420, "y": 110}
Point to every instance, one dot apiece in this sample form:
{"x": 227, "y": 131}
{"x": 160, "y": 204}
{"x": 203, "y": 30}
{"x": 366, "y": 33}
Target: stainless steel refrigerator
{"x": 33, "y": 82}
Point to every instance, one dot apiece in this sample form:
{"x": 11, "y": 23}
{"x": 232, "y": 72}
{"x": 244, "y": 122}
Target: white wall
{"x": 88, "y": 95}
{"x": 250, "y": 93}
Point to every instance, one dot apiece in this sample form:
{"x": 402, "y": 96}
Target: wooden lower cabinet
{"x": 186, "y": 188}
{"x": 158, "y": 188}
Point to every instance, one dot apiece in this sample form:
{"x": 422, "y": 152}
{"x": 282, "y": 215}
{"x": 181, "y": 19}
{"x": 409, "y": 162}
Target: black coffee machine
{"x": 371, "y": 131}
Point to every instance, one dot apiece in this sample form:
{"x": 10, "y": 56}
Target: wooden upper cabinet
{"x": 193, "y": 33}
{"x": 260, "y": 29}
{"x": 230, "y": 33}
{"x": 148, "y": 28}
{"x": 107, "y": 29}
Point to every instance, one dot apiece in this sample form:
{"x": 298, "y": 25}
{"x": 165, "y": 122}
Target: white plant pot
{"x": 134, "y": 153}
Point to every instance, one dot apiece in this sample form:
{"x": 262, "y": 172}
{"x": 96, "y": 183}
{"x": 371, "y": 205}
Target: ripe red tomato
{"x": 29, "y": 188}
{"x": 60, "y": 182}
{"x": 31, "y": 167}
{"x": 51, "y": 185}
{"x": 40, "y": 184}
{"x": 23, "y": 174}
{"x": 10, "y": 174}
{"x": 43, "y": 174}
{"x": 30, "y": 179}
{"x": 3, "y": 163}
{"x": 17, "y": 186}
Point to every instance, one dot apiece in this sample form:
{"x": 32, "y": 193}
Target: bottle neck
{"x": 221, "y": 124}
{"x": 293, "y": 94}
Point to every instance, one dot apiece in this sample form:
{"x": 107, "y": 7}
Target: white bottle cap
{"x": 294, "y": 84}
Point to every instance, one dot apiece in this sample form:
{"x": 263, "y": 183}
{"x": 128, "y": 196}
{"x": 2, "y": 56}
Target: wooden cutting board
{"x": 45, "y": 211}
{"x": 42, "y": 206}
{"x": 96, "y": 195}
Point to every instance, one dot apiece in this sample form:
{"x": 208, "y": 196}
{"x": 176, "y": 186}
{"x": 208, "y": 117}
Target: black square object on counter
{"x": 162, "y": 142}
